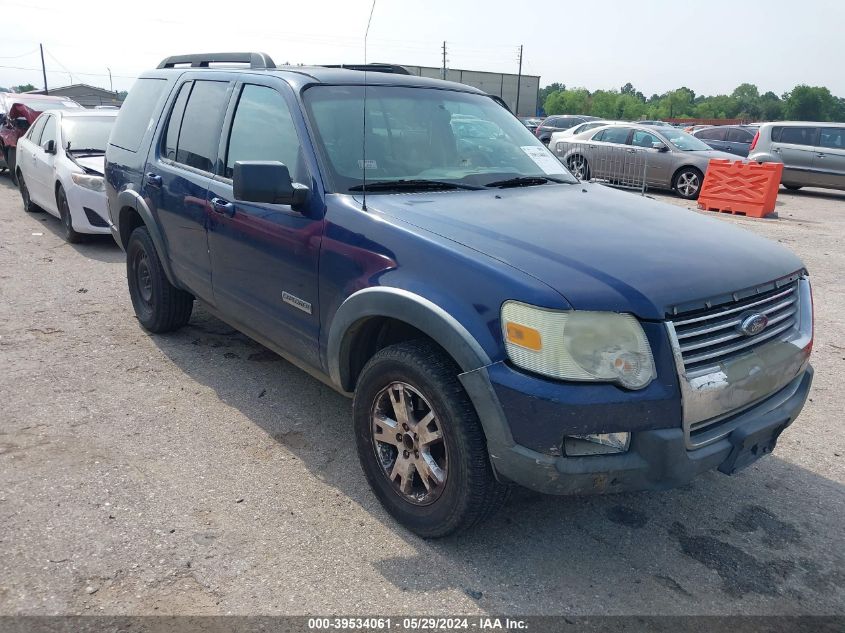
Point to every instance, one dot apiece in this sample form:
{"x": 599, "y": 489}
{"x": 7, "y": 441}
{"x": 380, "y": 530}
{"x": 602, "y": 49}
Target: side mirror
{"x": 660, "y": 147}
{"x": 267, "y": 181}
{"x": 49, "y": 147}
{"x": 21, "y": 123}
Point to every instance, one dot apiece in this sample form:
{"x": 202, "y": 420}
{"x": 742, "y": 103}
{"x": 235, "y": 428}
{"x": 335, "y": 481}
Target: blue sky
{"x": 710, "y": 46}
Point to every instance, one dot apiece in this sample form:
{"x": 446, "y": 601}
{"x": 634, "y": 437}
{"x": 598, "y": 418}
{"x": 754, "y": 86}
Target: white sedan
{"x": 60, "y": 168}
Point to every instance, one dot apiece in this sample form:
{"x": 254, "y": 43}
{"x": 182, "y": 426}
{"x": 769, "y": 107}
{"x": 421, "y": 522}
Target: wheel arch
{"x": 132, "y": 213}
{"x": 372, "y": 318}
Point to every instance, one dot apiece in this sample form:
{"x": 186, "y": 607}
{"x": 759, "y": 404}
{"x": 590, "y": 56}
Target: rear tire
{"x": 431, "y": 471}
{"x": 28, "y": 205}
{"x": 67, "y": 221}
{"x": 579, "y": 166}
{"x": 687, "y": 183}
{"x": 159, "y": 305}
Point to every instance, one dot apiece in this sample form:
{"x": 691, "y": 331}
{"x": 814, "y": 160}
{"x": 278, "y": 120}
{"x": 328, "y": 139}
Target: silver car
{"x": 813, "y": 154}
{"x": 639, "y": 155}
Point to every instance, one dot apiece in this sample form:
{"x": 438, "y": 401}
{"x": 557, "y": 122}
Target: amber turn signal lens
{"x": 524, "y": 336}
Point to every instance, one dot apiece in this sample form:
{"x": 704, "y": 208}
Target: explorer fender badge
{"x": 296, "y": 302}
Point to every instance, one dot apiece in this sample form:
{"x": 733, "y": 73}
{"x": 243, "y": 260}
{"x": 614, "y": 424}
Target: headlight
{"x": 88, "y": 181}
{"x": 576, "y": 345}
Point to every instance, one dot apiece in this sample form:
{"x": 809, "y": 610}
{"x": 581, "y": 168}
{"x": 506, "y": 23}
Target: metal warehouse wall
{"x": 499, "y": 84}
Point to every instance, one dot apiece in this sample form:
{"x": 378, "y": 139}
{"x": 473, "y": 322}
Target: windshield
{"x": 683, "y": 141}
{"x": 416, "y": 134}
{"x": 88, "y": 132}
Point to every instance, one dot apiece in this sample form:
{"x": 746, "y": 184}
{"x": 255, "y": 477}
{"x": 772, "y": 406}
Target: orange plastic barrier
{"x": 737, "y": 187}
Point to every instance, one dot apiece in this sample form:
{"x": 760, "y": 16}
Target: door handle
{"x": 820, "y": 155}
{"x": 219, "y": 205}
{"x": 154, "y": 180}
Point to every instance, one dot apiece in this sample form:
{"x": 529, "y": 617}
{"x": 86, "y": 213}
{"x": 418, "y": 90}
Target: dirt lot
{"x": 199, "y": 473}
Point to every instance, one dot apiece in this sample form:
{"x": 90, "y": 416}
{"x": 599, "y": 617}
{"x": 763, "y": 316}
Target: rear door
{"x": 179, "y": 172}
{"x": 738, "y": 140}
{"x": 41, "y": 188}
{"x": 608, "y": 152}
{"x": 797, "y": 149}
{"x": 829, "y": 161}
{"x": 264, "y": 256}
{"x": 27, "y": 146}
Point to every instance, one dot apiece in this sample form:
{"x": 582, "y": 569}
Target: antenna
{"x": 364, "y": 133}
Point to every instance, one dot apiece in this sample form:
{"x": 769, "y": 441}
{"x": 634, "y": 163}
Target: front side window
{"x": 263, "y": 129}
{"x": 34, "y": 133}
{"x": 199, "y": 134}
{"x": 49, "y": 133}
{"x": 422, "y": 134}
{"x": 641, "y": 138}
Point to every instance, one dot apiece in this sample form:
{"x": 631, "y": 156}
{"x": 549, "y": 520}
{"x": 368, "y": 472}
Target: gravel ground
{"x": 199, "y": 473}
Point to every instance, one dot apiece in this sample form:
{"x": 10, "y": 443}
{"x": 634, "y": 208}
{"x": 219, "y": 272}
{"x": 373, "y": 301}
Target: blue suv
{"x": 410, "y": 243}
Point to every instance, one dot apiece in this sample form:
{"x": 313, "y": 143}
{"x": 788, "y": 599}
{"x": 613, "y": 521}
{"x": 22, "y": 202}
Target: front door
{"x": 264, "y": 256}
{"x": 178, "y": 175}
{"x": 654, "y": 163}
{"x": 41, "y": 184}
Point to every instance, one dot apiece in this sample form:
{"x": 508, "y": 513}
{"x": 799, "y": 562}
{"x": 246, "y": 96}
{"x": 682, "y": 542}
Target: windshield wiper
{"x": 86, "y": 150}
{"x": 521, "y": 181}
{"x": 411, "y": 185}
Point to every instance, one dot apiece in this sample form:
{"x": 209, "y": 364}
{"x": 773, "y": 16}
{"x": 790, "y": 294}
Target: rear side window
{"x": 795, "y": 135}
{"x": 171, "y": 135}
{"x": 738, "y": 135}
{"x": 711, "y": 134}
{"x": 832, "y": 137}
{"x": 613, "y": 135}
{"x": 199, "y": 134}
{"x": 136, "y": 113}
{"x": 263, "y": 129}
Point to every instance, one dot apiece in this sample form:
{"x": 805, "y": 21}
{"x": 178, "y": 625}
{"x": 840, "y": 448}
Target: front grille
{"x": 94, "y": 218}
{"x": 707, "y": 337}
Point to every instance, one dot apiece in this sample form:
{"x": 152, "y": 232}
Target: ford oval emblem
{"x": 753, "y": 324}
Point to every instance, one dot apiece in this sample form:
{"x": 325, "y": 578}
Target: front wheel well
{"x": 367, "y": 337}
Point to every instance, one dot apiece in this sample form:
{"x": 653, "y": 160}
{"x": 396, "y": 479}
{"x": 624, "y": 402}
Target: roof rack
{"x": 375, "y": 68}
{"x": 255, "y": 60}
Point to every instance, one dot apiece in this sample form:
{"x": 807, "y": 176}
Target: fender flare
{"x": 131, "y": 199}
{"x": 421, "y": 313}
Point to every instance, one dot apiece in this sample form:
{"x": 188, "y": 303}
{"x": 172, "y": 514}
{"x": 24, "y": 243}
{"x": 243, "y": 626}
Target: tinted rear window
{"x": 199, "y": 136}
{"x": 136, "y": 113}
{"x": 795, "y": 135}
{"x": 711, "y": 134}
{"x": 738, "y": 135}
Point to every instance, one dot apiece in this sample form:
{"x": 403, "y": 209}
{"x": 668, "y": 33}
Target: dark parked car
{"x": 734, "y": 139}
{"x": 495, "y": 320}
{"x": 559, "y": 123}
{"x": 532, "y": 123}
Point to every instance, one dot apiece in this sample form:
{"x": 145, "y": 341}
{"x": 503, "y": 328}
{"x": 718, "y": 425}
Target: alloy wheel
{"x": 688, "y": 184}
{"x": 408, "y": 442}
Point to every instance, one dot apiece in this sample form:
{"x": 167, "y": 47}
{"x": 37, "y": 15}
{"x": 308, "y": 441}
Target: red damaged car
{"x": 17, "y": 112}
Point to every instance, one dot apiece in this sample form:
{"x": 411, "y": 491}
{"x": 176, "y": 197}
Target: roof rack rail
{"x": 375, "y": 68}
{"x": 255, "y": 60}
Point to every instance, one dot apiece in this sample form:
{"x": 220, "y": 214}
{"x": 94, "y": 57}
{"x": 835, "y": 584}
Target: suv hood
{"x": 600, "y": 248}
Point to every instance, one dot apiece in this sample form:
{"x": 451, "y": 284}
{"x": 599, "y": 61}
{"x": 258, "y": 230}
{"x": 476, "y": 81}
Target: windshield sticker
{"x": 367, "y": 164}
{"x": 544, "y": 159}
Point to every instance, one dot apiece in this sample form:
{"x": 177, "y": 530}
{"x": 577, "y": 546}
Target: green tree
{"x": 23, "y": 88}
{"x": 576, "y": 101}
{"x": 548, "y": 90}
{"x": 747, "y": 98}
{"x": 811, "y": 103}
{"x": 771, "y": 107}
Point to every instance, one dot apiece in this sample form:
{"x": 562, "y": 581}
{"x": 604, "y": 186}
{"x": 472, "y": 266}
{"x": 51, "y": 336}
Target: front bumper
{"x": 657, "y": 458}
{"x": 88, "y": 210}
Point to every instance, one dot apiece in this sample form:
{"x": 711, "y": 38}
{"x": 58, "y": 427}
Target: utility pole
{"x": 43, "y": 67}
{"x": 518, "y": 80}
{"x": 111, "y": 87}
{"x": 443, "y": 72}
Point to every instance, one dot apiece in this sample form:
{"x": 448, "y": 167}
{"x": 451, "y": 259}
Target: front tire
{"x": 687, "y": 183}
{"x": 67, "y": 221}
{"x": 420, "y": 442}
{"x": 159, "y": 305}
